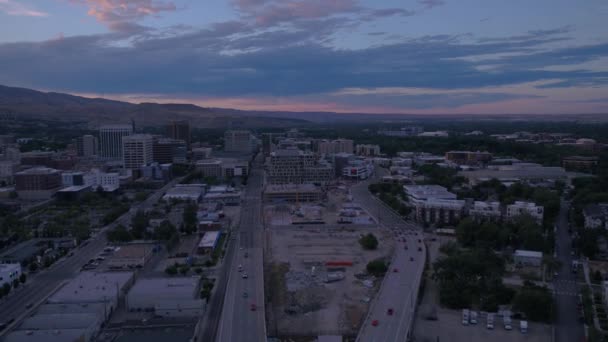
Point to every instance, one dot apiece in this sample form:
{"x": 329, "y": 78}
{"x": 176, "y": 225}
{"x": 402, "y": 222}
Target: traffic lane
{"x": 397, "y": 293}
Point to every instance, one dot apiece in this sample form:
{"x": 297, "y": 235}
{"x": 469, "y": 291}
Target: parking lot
{"x": 449, "y": 327}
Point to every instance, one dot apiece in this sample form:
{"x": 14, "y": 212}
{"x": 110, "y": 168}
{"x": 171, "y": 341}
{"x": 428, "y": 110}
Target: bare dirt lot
{"x": 307, "y": 295}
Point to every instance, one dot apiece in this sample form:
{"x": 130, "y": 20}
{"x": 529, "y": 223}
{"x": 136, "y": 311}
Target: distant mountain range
{"x": 22, "y": 102}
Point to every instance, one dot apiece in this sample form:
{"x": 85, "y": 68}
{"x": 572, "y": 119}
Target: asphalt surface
{"x": 399, "y": 290}
{"x": 45, "y": 282}
{"x": 567, "y": 326}
{"x": 229, "y": 316}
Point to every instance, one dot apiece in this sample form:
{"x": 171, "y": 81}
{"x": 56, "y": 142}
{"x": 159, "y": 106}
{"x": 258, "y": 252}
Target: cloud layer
{"x": 275, "y": 52}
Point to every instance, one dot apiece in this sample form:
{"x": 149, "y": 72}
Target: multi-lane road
{"x": 236, "y": 310}
{"x": 567, "y": 326}
{"x": 41, "y": 285}
{"x": 399, "y": 289}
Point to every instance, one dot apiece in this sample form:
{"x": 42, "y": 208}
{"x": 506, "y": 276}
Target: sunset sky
{"x": 374, "y": 56}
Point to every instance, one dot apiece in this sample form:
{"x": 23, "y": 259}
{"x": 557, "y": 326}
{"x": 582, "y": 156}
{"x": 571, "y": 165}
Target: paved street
{"x": 40, "y": 286}
{"x": 399, "y": 290}
{"x": 230, "y": 317}
{"x": 567, "y": 326}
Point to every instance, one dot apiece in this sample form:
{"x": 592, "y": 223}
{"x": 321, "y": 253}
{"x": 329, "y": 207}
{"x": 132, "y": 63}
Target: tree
{"x": 165, "y": 231}
{"x": 198, "y": 270}
{"x": 119, "y": 234}
{"x": 139, "y": 223}
{"x": 535, "y": 302}
{"x": 369, "y": 241}
{"x": 171, "y": 270}
{"x": 6, "y": 289}
{"x": 16, "y": 284}
{"x": 190, "y": 217}
{"x": 184, "y": 269}
{"x": 33, "y": 266}
{"x": 377, "y": 267}
{"x": 22, "y": 278}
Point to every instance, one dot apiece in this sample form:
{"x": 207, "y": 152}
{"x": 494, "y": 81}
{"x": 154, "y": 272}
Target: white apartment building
{"x": 137, "y": 150}
{"x": 520, "y": 208}
{"x": 109, "y": 181}
{"x": 434, "y": 204}
{"x": 368, "y": 150}
{"x": 486, "y": 211}
{"x": 238, "y": 141}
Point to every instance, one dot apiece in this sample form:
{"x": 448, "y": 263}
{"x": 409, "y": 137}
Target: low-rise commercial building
{"x": 333, "y": 146}
{"x": 9, "y": 273}
{"x": 208, "y": 242}
{"x": 358, "y": 169}
{"x": 39, "y": 183}
{"x": 528, "y": 258}
{"x": 131, "y": 256}
{"x": 168, "y": 297}
{"x": 581, "y": 163}
{"x": 468, "y": 157}
{"x": 292, "y": 193}
{"x": 8, "y": 168}
{"x": 367, "y": 150}
{"x": 185, "y": 192}
{"x": 517, "y": 172}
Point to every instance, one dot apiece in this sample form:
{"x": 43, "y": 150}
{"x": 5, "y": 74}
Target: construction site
{"x": 316, "y": 281}
{"x": 337, "y": 208}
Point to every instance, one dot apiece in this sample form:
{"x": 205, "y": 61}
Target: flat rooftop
{"x": 46, "y": 335}
{"x": 71, "y": 308}
{"x": 529, "y": 254}
{"x": 427, "y": 192}
{"x": 132, "y": 251}
{"x": 60, "y": 321}
{"x": 166, "y": 288}
{"x": 209, "y": 239}
{"x": 92, "y": 287}
{"x": 286, "y": 188}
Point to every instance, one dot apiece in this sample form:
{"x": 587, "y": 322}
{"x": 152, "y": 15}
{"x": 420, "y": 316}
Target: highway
{"x": 42, "y": 284}
{"x": 399, "y": 290}
{"x": 230, "y": 316}
{"x": 567, "y": 326}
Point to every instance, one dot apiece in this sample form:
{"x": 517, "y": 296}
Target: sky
{"x": 367, "y": 56}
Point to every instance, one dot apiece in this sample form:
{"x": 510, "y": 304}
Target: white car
{"x": 245, "y": 276}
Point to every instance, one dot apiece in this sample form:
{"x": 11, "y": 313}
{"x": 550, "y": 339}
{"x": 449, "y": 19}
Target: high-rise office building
{"x": 179, "y": 130}
{"x": 238, "y": 141}
{"x": 167, "y": 151}
{"x": 136, "y": 150}
{"x": 87, "y": 145}
{"x": 110, "y": 139}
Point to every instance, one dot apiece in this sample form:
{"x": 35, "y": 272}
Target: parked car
{"x": 465, "y": 316}
{"x": 473, "y": 317}
{"x": 490, "y": 321}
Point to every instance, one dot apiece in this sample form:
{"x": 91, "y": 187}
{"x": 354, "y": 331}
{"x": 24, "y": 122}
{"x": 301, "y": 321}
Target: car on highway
{"x": 419, "y": 249}
{"x": 29, "y": 305}
{"x": 240, "y": 268}
{"x": 245, "y": 276}
{"x": 3, "y": 326}
{"x": 411, "y": 258}
{"x": 245, "y": 294}
{"x": 375, "y": 323}
{"x": 253, "y": 307}
{"x": 395, "y": 270}
{"x": 246, "y": 255}
{"x": 390, "y": 311}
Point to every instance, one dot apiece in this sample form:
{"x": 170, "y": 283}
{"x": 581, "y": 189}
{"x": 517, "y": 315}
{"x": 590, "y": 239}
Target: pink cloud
{"x": 269, "y": 12}
{"x": 11, "y": 7}
{"x": 117, "y": 13}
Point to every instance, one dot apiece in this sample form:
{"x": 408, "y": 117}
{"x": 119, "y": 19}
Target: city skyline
{"x": 419, "y": 57}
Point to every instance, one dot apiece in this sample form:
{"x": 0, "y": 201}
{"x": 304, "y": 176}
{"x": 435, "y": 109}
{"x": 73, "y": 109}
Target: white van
{"x": 473, "y": 317}
{"x": 490, "y": 321}
{"x": 523, "y": 326}
{"x": 465, "y": 316}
